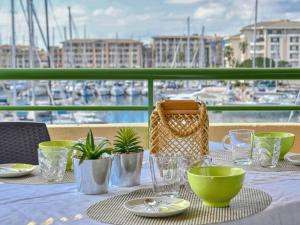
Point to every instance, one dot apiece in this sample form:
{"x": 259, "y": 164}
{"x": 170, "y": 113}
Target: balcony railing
{"x": 150, "y": 75}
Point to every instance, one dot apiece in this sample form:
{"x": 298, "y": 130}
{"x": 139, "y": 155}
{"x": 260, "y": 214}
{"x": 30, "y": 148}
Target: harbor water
{"x": 130, "y": 93}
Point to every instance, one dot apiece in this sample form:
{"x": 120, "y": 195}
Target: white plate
{"x": 15, "y": 170}
{"x": 293, "y": 158}
{"x": 166, "y": 206}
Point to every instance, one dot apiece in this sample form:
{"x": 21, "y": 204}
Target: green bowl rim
{"x": 242, "y": 130}
{"x": 58, "y": 148}
{"x": 275, "y": 132}
{"x": 243, "y": 172}
{"x": 56, "y": 141}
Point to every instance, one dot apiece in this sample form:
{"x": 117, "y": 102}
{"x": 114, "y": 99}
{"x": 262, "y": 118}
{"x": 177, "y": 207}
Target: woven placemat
{"x": 248, "y": 202}
{"x": 35, "y": 178}
{"x": 225, "y": 158}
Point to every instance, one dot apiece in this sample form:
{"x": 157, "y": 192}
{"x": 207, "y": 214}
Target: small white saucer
{"x": 165, "y": 206}
{"x": 293, "y": 158}
{"x": 15, "y": 170}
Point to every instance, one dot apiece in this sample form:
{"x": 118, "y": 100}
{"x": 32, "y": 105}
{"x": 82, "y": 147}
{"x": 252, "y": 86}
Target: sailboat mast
{"x": 31, "y": 47}
{"x": 31, "y": 33}
{"x": 49, "y": 61}
{"x": 188, "y": 44}
{"x": 202, "y": 49}
{"x": 13, "y": 51}
{"x": 65, "y": 33}
{"x": 71, "y": 37}
{"x": 47, "y": 33}
{"x": 71, "y": 54}
{"x": 254, "y": 36}
{"x": 13, "y": 35}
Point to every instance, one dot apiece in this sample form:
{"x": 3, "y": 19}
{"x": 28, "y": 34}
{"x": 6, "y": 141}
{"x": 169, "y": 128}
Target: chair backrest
{"x": 19, "y": 141}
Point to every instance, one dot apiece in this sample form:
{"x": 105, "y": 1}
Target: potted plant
{"x": 128, "y": 158}
{"x": 92, "y": 165}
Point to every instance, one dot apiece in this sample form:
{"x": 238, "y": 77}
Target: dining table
{"x": 45, "y": 204}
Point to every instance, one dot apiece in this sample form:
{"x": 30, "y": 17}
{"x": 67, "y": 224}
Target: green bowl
{"x": 47, "y": 145}
{"x": 287, "y": 140}
{"x": 216, "y": 185}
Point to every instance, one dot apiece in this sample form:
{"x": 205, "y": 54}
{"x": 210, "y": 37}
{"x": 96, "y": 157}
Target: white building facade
{"x": 278, "y": 40}
{"x": 103, "y": 53}
{"x": 173, "y": 51}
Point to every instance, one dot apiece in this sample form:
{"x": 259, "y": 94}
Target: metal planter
{"x": 126, "y": 169}
{"x": 92, "y": 176}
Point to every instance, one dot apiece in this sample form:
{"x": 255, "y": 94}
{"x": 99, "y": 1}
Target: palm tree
{"x": 181, "y": 57}
{"x": 164, "y": 57}
{"x": 243, "y": 46}
{"x": 195, "y": 54}
{"x": 228, "y": 53}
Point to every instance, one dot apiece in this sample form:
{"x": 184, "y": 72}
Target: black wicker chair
{"x": 19, "y": 141}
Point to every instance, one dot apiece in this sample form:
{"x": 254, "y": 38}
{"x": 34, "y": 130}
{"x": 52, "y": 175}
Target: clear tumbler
{"x": 166, "y": 174}
{"x": 52, "y": 163}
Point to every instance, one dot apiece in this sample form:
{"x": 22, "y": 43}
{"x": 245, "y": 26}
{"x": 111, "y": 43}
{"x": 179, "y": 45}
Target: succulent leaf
{"x": 127, "y": 141}
{"x": 89, "y": 150}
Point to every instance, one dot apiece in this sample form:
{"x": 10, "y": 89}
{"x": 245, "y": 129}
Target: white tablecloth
{"x": 62, "y": 204}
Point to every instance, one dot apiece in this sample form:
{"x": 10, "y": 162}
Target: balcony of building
{"x": 217, "y": 130}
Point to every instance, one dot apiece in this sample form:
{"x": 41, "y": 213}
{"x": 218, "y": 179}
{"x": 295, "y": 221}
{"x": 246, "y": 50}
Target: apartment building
{"x": 103, "y": 53}
{"x": 148, "y": 56}
{"x": 278, "y": 40}
{"x": 173, "y": 52}
{"x": 22, "y": 56}
{"x": 56, "y": 53}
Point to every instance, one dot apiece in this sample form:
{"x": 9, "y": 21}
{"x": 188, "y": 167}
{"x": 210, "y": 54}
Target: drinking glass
{"x": 268, "y": 149}
{"x": 165, "y": 174}
{"x": 189, "y": 162}
{"x": 241, "y": 145}
{"x": 52, "y": 163}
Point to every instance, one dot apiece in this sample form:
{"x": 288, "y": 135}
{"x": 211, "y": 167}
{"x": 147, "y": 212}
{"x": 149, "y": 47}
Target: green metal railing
{"x": 149, "y": 75}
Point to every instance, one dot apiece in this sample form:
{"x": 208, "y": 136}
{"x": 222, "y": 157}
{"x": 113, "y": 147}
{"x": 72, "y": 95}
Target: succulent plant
{"x": 127, "y": 141}
{"x": 90, "y": 151}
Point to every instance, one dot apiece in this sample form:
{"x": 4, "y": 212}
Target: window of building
{"x": 274, "y": 31}
{"x": 275, "y": 39}
{"x": 294, "y": 56}
{"x": 294, "y": 47}
{"x": 294, "y": 39}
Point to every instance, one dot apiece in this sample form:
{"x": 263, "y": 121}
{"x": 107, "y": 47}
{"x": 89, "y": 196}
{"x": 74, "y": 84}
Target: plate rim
{"x": 17, "y": 174}
{"x": 293, "y": 161}
{"x": 156, "y": 214}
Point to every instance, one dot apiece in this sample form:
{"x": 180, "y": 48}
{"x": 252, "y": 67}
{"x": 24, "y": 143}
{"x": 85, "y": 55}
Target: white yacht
{"x": 144, "y": 90}
{"x": 117, "y": 90}
{"x": 86, "y": 117}
{"x": 20, "y": 86}
{"x": 103, "y": 90}
{"x": 213, "y": 95}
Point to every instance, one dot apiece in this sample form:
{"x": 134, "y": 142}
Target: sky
{"x": 143, "y": 19}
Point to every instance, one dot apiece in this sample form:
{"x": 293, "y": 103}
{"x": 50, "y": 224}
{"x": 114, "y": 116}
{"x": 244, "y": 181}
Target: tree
{"x": 259, "y": 61}
{"x": 228, "y": 53}
{"x": 164, "y": 57}
{"x": 181, "y": 57}
{"x": 283, "y": 63}
{"x": 243, "y": 46}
